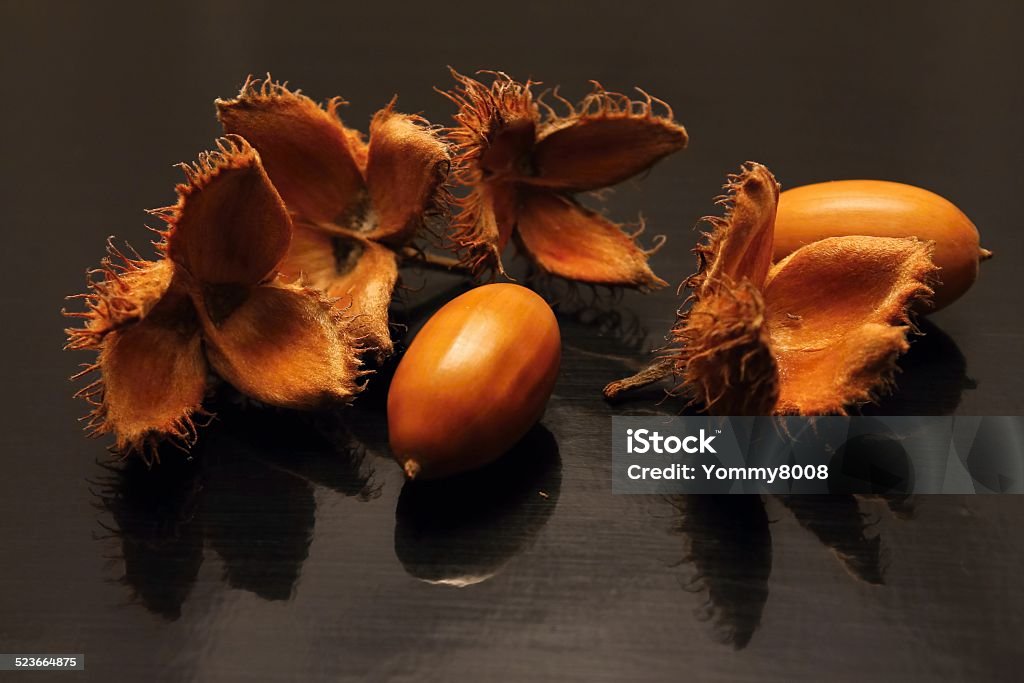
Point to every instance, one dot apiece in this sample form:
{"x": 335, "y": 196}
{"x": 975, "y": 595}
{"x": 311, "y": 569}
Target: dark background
{"x": 289, "y": 548}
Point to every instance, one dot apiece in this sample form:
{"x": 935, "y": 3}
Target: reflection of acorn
{"x": 462, "y": 530}
{"x": 994, "y": 457}
{"x": 730, "y": 548}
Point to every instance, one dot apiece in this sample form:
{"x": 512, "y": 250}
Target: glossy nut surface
{"x": 883, "y": 209}
{"x": 474, "y": 380}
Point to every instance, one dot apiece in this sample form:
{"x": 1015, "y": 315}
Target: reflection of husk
{"x": 260, "y": 521}
{"x": 153, "y": 515}
{"x": 248, "y": 492}
{"x": 730, "y": 549}
{"x": 463, "y": 530}
{"x": 837, "y": 521}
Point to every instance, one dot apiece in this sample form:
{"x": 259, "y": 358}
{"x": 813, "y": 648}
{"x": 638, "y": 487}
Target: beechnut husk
{"x": 275, "y": 268}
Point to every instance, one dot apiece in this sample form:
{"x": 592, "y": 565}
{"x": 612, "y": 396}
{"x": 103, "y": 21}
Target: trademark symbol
{"x": 718, "y": 431}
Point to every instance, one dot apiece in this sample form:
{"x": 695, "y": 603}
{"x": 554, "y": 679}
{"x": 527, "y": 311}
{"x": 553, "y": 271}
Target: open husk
{"x": 522, "y": 163}
{"x": 212, "y": 306}
{"x": 817, "y": 333}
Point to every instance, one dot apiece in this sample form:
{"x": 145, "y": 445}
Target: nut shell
{"x": 881, "y": 208}
{"x": 473, "y": 382}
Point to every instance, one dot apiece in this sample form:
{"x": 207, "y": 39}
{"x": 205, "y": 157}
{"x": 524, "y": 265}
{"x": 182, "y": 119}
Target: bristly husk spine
{"x": 600, "y": 103}
{"x": 113, "y": 297}
{"x": 232, "y": 152}
{"x": 119, "y": 295}
{"x": 483, "y": 112}
{"x": 724, "y": 350}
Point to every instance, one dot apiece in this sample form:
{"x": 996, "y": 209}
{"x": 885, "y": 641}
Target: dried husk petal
{"x": 359, "y": 274}
{"x": 406, "y": 171}
{"x": 287, "y": 346}
{"x": 154, "y": 378}
{"x": 836, "y": 342}
{"x": 487, "y": 218}
{"x": 229, "y": 226}
{"x": 853, "y": 370}
{"x": 817, "y": 333}
{"x": 739, "y": 245}
{"x": 142, "y": 322}
{"x": 603, "y": 141}
{"x": 568, "y": 240}
{"x": 315, "y": 162}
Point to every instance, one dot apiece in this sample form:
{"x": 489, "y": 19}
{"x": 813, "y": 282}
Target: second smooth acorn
{"x": 474, "y": 380}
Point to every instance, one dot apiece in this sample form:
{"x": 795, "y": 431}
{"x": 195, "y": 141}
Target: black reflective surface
{"x": 290, "y": 547}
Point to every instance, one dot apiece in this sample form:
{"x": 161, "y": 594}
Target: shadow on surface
{"x": 873, "y": 464}
{"x": 463, "y": 530}
{"x": 730, "y": 550}
{"x": 932, "y": 376}
{"x": 837, "y": 521}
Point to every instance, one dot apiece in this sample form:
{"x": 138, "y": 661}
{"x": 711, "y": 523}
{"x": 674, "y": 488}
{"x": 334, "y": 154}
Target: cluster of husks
{"x": 355, "y": 204}
{"x": 815, "y": 333}
{"x": 279, "y": 260}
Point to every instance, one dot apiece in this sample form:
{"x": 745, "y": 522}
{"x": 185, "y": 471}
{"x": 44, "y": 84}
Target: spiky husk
{"x": 508, "y": 143}
{"x": 343, "y": 191}
{"x": 212, "y": 302}
{"x": 817, "y": 333}
{"x": 723, "y": 354}
{"x": 499, "y": 119}
{"x": 722, "y": 319}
